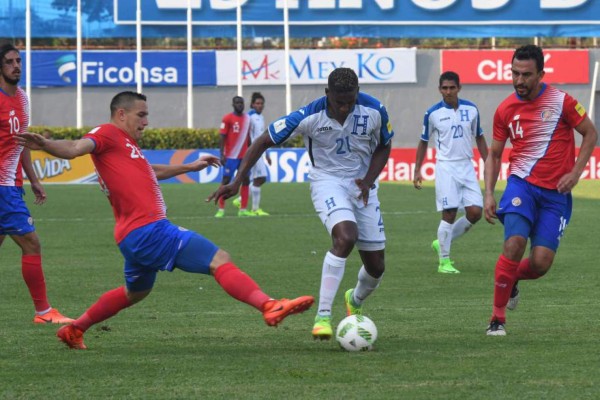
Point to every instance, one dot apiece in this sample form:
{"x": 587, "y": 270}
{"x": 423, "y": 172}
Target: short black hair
{"x": 6, "y": 48}
{"x": 450, "y": 76}
{"x": 342, "y": 80}
{"x": 530, "y": 52}
{"x": 237, "y": 97}
{"x": 124, "y": 100}
{"x": 256, "y": 96}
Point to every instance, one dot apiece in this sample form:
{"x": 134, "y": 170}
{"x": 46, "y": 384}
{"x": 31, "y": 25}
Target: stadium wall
{"x": 406, "y": 102}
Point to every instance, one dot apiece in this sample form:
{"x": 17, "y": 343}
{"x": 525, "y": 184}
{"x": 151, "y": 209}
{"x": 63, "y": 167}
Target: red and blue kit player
{"x": 15, "y": 219}
{"x": 148, "y": 241}
{"x": 538, "y": 119}
{"x": 234, "y": 143}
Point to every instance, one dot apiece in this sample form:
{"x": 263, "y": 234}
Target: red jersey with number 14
{"x": 14, "y": 118}
{"x": 127, "y": 178}
{"x": 541, "y": 133}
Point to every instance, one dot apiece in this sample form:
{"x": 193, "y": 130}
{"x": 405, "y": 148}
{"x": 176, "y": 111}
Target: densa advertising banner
{"x": 287, "y": 165}
{"x": 493, "y": 67}
{"x": 308, "y": 67}
{"x": 118, "y": 68}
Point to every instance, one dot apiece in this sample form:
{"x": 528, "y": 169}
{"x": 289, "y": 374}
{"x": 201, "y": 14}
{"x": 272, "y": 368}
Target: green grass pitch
{"x": 189, "y": 340}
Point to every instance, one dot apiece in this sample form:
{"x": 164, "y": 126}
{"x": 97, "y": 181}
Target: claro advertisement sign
{"x": 288, "y": 165}
{"x": 493, "y": 67}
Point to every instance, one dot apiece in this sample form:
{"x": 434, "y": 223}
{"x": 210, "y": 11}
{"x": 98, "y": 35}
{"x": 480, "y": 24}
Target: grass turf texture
{"x": 188, "y": 339}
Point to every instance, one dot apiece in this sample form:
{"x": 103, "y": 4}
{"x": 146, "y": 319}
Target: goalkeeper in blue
{"x": 348, "y": 137}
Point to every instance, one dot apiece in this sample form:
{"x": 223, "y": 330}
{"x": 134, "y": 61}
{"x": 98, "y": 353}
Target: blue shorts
{"x": 547, "y": 211}
{"x": 162, "y": 246}
{"x": 14, "y": 214}
{"x": 231, "y": 166}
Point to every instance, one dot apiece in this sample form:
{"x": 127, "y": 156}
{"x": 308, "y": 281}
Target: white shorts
{"x": 456, "y": 185}
{"x": 336, "y": 200}
{"x": 259, "y": 170}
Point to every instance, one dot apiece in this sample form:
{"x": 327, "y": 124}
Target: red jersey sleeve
{"x": 573, "y": 112}
{"x": 225, "y": 124}
{"x": 500, "y": 129}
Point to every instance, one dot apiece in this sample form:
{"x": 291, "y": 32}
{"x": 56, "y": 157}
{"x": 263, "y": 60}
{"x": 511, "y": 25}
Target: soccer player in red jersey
{"x": 234, "y": 143}
{"x": 15, "y": 219}
{"x": 538, "y": 119}
{"x": 148, "y": 241}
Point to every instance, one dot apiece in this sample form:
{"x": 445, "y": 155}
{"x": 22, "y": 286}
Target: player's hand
{"x": 203, "y": 162}
{"x": 224, "y": 191}
{"x": 32, "y": 141}
{"x": 418, "y": 180}
{"x": 567, "y": 182}
{"x": 489, "y": 209}
{"x": 365, "y": 189}
{"x": 39, "y": 192}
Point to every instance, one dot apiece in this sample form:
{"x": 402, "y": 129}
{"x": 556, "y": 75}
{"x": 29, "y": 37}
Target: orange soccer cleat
{"x": 274, "y": 311}
{"x": 71, "y": 336}
{"x": 52, "y": 317}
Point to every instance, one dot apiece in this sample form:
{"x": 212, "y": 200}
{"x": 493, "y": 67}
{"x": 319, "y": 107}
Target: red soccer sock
{"x": 525, "y": 272}
{"x": 505, "y": 276}
{"x": 244, "y": 193}
{"x": 109, "y": 304}
{"x": 221, "y": 203}
{"x": 33, "y": 275}
{"x": 240, "y": 286}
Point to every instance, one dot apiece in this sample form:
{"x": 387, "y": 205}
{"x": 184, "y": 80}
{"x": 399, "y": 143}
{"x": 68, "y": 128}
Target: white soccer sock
{"x": 255, "y": 193}
{"x": 333, "y": 272}
{"x": 365, "y": 286}
{"x": 460, "y": 227}
{"x": 444, "y": 234}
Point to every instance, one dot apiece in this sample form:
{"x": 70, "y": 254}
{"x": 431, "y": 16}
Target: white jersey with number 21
{"x": 342, "y": 151}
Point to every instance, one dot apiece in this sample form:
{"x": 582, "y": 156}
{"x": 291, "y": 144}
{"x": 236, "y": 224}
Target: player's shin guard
{"x": 505, "y": 277}
{"x": 108, "y": 305}
{"x": 240, "y": 286}
{"x": 33, "y": 275}
{"x": 365, "y": 286}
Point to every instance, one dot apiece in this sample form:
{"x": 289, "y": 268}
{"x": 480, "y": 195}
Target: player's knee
{"x": 30, "y": 244}
{"x": 474, "y": 215}
{"x": 221, "y": 257}
{"x": 514, "y": 247}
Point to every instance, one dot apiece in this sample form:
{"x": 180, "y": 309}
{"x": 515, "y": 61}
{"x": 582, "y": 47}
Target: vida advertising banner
{"x": 288, "y": 165}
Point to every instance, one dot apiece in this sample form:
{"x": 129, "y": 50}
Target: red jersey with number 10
{"x": 541, "y": 133}
{"x": 127, "y": 179}
{"x": 14, "y": 118}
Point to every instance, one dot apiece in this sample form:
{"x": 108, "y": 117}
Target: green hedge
{"x": 158, "y": 138}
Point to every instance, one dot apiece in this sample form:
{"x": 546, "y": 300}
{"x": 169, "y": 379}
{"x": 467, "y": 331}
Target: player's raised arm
{"x": 255, "y": 151}
{"x": 65, "y": 149}
{"x": 164, "y": 171}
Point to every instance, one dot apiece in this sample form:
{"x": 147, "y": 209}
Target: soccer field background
{"x": 190, "y": 340}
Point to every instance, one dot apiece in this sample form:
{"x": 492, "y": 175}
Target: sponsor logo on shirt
{"x": 324, "y": 128}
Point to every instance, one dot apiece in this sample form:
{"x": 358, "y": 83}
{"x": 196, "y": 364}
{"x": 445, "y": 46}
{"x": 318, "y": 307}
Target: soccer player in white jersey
{"x": 453, "y": 122}
{"x": 348, "y": 137}
{"x": 258, "y": 173}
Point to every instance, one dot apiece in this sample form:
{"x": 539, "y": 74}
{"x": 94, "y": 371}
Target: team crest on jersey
{"x": 546, "y": 115}
{"x": 516, "y": 201}
{"x": 30, "y": 221}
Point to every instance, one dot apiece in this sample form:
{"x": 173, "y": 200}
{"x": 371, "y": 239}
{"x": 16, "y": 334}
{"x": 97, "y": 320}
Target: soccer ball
{"x": 356, "y": 333}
